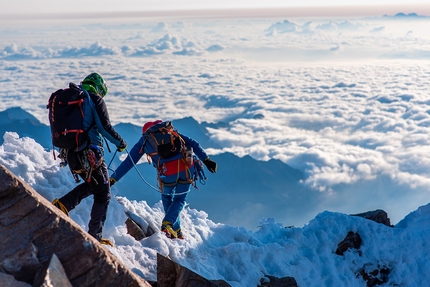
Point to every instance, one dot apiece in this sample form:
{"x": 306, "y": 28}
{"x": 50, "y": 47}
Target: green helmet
{"x": 95, "y": 83}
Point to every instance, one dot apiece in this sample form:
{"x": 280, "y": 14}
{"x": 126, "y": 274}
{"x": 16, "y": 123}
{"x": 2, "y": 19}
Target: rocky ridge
{"x": 35, "y": 236}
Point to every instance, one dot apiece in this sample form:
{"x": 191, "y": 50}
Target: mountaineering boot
{"x": 106, "y": 242}
{"x": 167, "y": 228}
{"x": 179, "y": 233}
{"x": 60, "y": 206}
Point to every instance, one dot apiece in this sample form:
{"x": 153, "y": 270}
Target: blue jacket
{"x": 142, "y": 147}
{"x": 96, "y": 120}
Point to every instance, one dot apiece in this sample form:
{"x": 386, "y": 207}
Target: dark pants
{"x": 99, "y": 188}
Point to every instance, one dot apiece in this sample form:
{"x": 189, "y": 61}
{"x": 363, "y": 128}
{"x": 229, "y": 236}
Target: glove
{"x": 122, "y": 146}
{"x": 211, "y": 165}
{"x": 112, "y": 181}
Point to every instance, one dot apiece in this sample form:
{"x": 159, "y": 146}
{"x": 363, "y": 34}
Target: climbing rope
{"x": 141, "y": 176}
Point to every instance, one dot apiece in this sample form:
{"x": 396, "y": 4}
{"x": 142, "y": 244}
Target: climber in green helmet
{"x": 95, "y": 83}
{"x": 97, "y": 124}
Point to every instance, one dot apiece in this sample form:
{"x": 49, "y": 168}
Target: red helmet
{"x": 147, "y": 125}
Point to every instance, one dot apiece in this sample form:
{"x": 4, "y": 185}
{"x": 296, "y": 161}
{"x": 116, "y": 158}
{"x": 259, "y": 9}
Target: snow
{"x": 236, "y": 254}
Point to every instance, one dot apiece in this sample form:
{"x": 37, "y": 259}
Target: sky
{"x": 129, "y": 5}
{"x": 28, "y": 7}
{"x": 236, "y": 254}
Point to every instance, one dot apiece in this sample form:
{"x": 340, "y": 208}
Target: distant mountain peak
{"x": 16, "y": 114}
{"x": 404, "y": 15}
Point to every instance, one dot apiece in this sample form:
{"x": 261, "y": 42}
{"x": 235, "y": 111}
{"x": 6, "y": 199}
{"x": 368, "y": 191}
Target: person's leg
{"x": 173, "y": 199}
{"x": 75, "y": 196}
{"x": 99, "y": 187}
{"x": 176, "y": 205}
{"x": 69, "y": 201}
{"x": 166, "y": 197}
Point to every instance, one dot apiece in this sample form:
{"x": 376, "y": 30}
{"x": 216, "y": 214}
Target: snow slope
{"x": 234, "y": 253}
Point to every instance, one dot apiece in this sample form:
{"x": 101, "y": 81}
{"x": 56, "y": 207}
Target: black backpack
{"x": 66, "y": 118}
{"x": 165, "y": 139}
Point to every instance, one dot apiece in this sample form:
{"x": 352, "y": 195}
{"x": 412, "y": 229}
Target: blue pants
{"x": 173, "y": 198}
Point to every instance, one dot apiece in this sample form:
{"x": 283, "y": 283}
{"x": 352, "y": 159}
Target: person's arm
{"x": 200, "y": 153}
{"x": 133, "y": 157}
{"x": 102, "y": 121}
{"x": 197, "y": 148}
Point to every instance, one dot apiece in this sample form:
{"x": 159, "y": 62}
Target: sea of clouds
{"x": 343, "y": 100}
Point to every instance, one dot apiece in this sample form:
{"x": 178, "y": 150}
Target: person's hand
{"x": 122, "y": 146}
{"x": 211, "y": 165}
{"x": 112, "y": 181}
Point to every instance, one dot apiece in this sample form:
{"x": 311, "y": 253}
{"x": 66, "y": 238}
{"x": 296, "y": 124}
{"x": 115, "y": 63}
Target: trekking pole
{"x": 141, "y": 176}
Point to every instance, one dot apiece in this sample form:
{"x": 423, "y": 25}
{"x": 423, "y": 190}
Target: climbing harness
{"x": 83, "y": 162}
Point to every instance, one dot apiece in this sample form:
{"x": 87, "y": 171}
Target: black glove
{"x": 112, "y": 181}
{"x": 211, "y": 165}
{"x": 122, "y": 146}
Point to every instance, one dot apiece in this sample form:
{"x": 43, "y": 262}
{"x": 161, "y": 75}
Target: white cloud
{"x": 215, "y": 48}
{"x": 95, "y": 50}
{"x": 283, "y": 27}
{"x": 161, "y": 27}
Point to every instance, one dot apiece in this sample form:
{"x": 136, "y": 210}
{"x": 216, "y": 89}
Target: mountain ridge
{"x": 230, "y": 185}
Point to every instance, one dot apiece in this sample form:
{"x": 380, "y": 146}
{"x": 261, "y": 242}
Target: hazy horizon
{"x": 351, "y": 10}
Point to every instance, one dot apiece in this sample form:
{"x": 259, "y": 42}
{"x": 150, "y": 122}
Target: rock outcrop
{"x": 171, "y": 274}
{"x": 272, "y": 281}
{"x": 372, "y": 275}
{"x": 54, "y": 275}
{"x": 379, "y": 216}
{"x": 32, "y": 230}
{"x": 135, "y": 229}
{"x": 352, "y": 240}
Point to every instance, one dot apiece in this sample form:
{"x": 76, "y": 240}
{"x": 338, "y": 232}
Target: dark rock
{"x": 23, "y": 264}
{"x": 352, "y": 240}
{"x": 135, "y": 229}
{"x": 7, "y": 280}
{"x": 53, "y": 275}
{"x": 376, "y": 277}
{"x": 278, "y": 282}
{"x": 171, "y": 274}
{"x": 32, "y": 230}
{"x": 378, "y": 216}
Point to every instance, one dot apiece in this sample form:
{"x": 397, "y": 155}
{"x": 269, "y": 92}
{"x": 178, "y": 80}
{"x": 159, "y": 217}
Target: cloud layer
{"x": 343, "y": 123}
{"x": 269, "y": 40}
